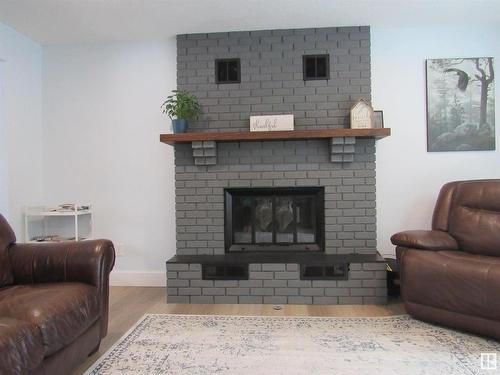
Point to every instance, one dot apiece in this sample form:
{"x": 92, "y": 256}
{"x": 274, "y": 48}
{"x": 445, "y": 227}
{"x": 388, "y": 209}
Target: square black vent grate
{"x": 227, "y": 71}
{"x": 316, "y": 67}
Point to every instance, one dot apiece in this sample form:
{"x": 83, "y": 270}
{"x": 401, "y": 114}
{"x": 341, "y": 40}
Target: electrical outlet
{"x": 119, "y": 249}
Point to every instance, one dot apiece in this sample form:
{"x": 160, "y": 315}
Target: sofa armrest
{"x": 425, "y": 239}
{"x": 88, "y": 262}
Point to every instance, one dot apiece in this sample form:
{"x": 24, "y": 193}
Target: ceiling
{"x": 94, "y": 21}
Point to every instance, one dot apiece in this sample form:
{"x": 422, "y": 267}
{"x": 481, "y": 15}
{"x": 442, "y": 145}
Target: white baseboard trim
{"x": 124, "y": 278}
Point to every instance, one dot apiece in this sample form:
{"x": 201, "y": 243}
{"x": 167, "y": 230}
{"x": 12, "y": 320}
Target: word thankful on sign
{"x": 271, "y": 123}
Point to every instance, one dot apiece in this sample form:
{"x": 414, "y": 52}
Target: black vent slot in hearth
{"x": 225, "y": 271}
{"x": 316, "y": 67}
{"x": 227, "y": 71}
{"x": 324, "y": 272}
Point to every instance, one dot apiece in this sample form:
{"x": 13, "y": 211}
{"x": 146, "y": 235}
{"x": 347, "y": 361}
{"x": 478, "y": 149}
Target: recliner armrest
{"x": 425, "y": 239}
{"x": 88, "y": 262}
{"x": 84, "y": 261}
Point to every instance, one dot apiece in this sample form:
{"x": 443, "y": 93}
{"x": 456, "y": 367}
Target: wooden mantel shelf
{"x": 275, "y": 135}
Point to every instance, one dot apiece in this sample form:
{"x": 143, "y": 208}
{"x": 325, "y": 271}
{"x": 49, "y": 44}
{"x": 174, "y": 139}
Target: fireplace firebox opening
{"x": 274, "y": 219}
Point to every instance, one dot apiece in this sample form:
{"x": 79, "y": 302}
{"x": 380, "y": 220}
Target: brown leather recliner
{"x": 451, "y": 274}
{"x": 53, "y": 303}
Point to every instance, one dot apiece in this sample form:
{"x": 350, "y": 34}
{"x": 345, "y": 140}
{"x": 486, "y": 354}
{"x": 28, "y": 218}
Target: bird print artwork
{"x": 460, "y": 104}
{"x": 463, "y": 78}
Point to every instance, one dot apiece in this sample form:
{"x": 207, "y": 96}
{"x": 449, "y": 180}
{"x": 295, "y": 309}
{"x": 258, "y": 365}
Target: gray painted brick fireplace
{"x": 272, "y": 83}
{"x": 271, "y": 76}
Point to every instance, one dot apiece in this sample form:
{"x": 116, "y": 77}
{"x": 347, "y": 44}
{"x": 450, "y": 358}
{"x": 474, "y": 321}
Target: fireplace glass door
{"x": 274, "y": 219}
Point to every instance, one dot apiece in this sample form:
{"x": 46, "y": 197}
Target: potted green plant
{"x": 181, "y": 106}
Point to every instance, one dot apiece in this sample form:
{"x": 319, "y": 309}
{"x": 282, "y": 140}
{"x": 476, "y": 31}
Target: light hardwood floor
{"x": 128, "y": 304}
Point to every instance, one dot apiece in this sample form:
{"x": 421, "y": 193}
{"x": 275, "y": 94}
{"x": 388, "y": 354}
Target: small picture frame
{"x": 378, "y": 119}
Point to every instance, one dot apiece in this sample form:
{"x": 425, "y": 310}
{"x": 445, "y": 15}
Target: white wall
{"x": 4, "y": 168}
{"x": 102, "y": 121}
{"x": 408, "y": 177}
{"x": 20, "y": 125}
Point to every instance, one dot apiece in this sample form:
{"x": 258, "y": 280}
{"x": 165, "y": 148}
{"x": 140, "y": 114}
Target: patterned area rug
{"x": 194, "y": 344}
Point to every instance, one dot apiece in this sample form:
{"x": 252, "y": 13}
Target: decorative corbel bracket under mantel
{"x": 342, "y": 141}
{"x": 204, "y": 152}
{"x": 342, "y": 149}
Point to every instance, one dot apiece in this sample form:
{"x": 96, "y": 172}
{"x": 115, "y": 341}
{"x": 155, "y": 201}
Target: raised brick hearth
{"x": 272, "y": 83}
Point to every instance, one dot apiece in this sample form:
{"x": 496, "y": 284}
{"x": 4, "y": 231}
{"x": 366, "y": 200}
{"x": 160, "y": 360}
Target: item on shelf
{"x": 64, "y": 222}
{"x": 271, "y": 123}
{"x": 49, "y": 238}
{"x": 362, "y": 115}
{"x": 378, "y": 118}
{"x": 183, "y": 106}
{"x": 70, "y": 207}
{"x": 80, "y": 238}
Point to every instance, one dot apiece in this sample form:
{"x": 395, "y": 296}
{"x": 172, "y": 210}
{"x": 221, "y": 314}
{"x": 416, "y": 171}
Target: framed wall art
{"x": 460, "y": 104}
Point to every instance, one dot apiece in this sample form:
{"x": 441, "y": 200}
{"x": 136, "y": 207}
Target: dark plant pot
{"x": 179, "y": 125}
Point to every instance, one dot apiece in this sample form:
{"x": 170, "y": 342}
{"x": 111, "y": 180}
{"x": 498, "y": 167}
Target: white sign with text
{"x": 271, "y": 123}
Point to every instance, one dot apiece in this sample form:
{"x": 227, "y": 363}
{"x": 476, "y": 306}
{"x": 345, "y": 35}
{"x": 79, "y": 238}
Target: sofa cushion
{"x": 7, "y": 237}
{"x": 21, "y": 346}
{"x": 475, "y": 217}
{"x": 62, "y": 311}
{"x": 451, "y": 280}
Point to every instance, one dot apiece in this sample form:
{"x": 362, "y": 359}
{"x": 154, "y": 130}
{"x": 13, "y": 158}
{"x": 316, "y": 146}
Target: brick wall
{"x": 271, "y": 76}
{"x": 278, "y": 284}
{"x": 350, "y": 222}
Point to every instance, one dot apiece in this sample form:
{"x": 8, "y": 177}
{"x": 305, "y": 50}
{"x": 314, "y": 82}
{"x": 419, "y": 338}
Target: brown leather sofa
{"x": 451, "y": 274}
{"x": 53, "y": 303}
